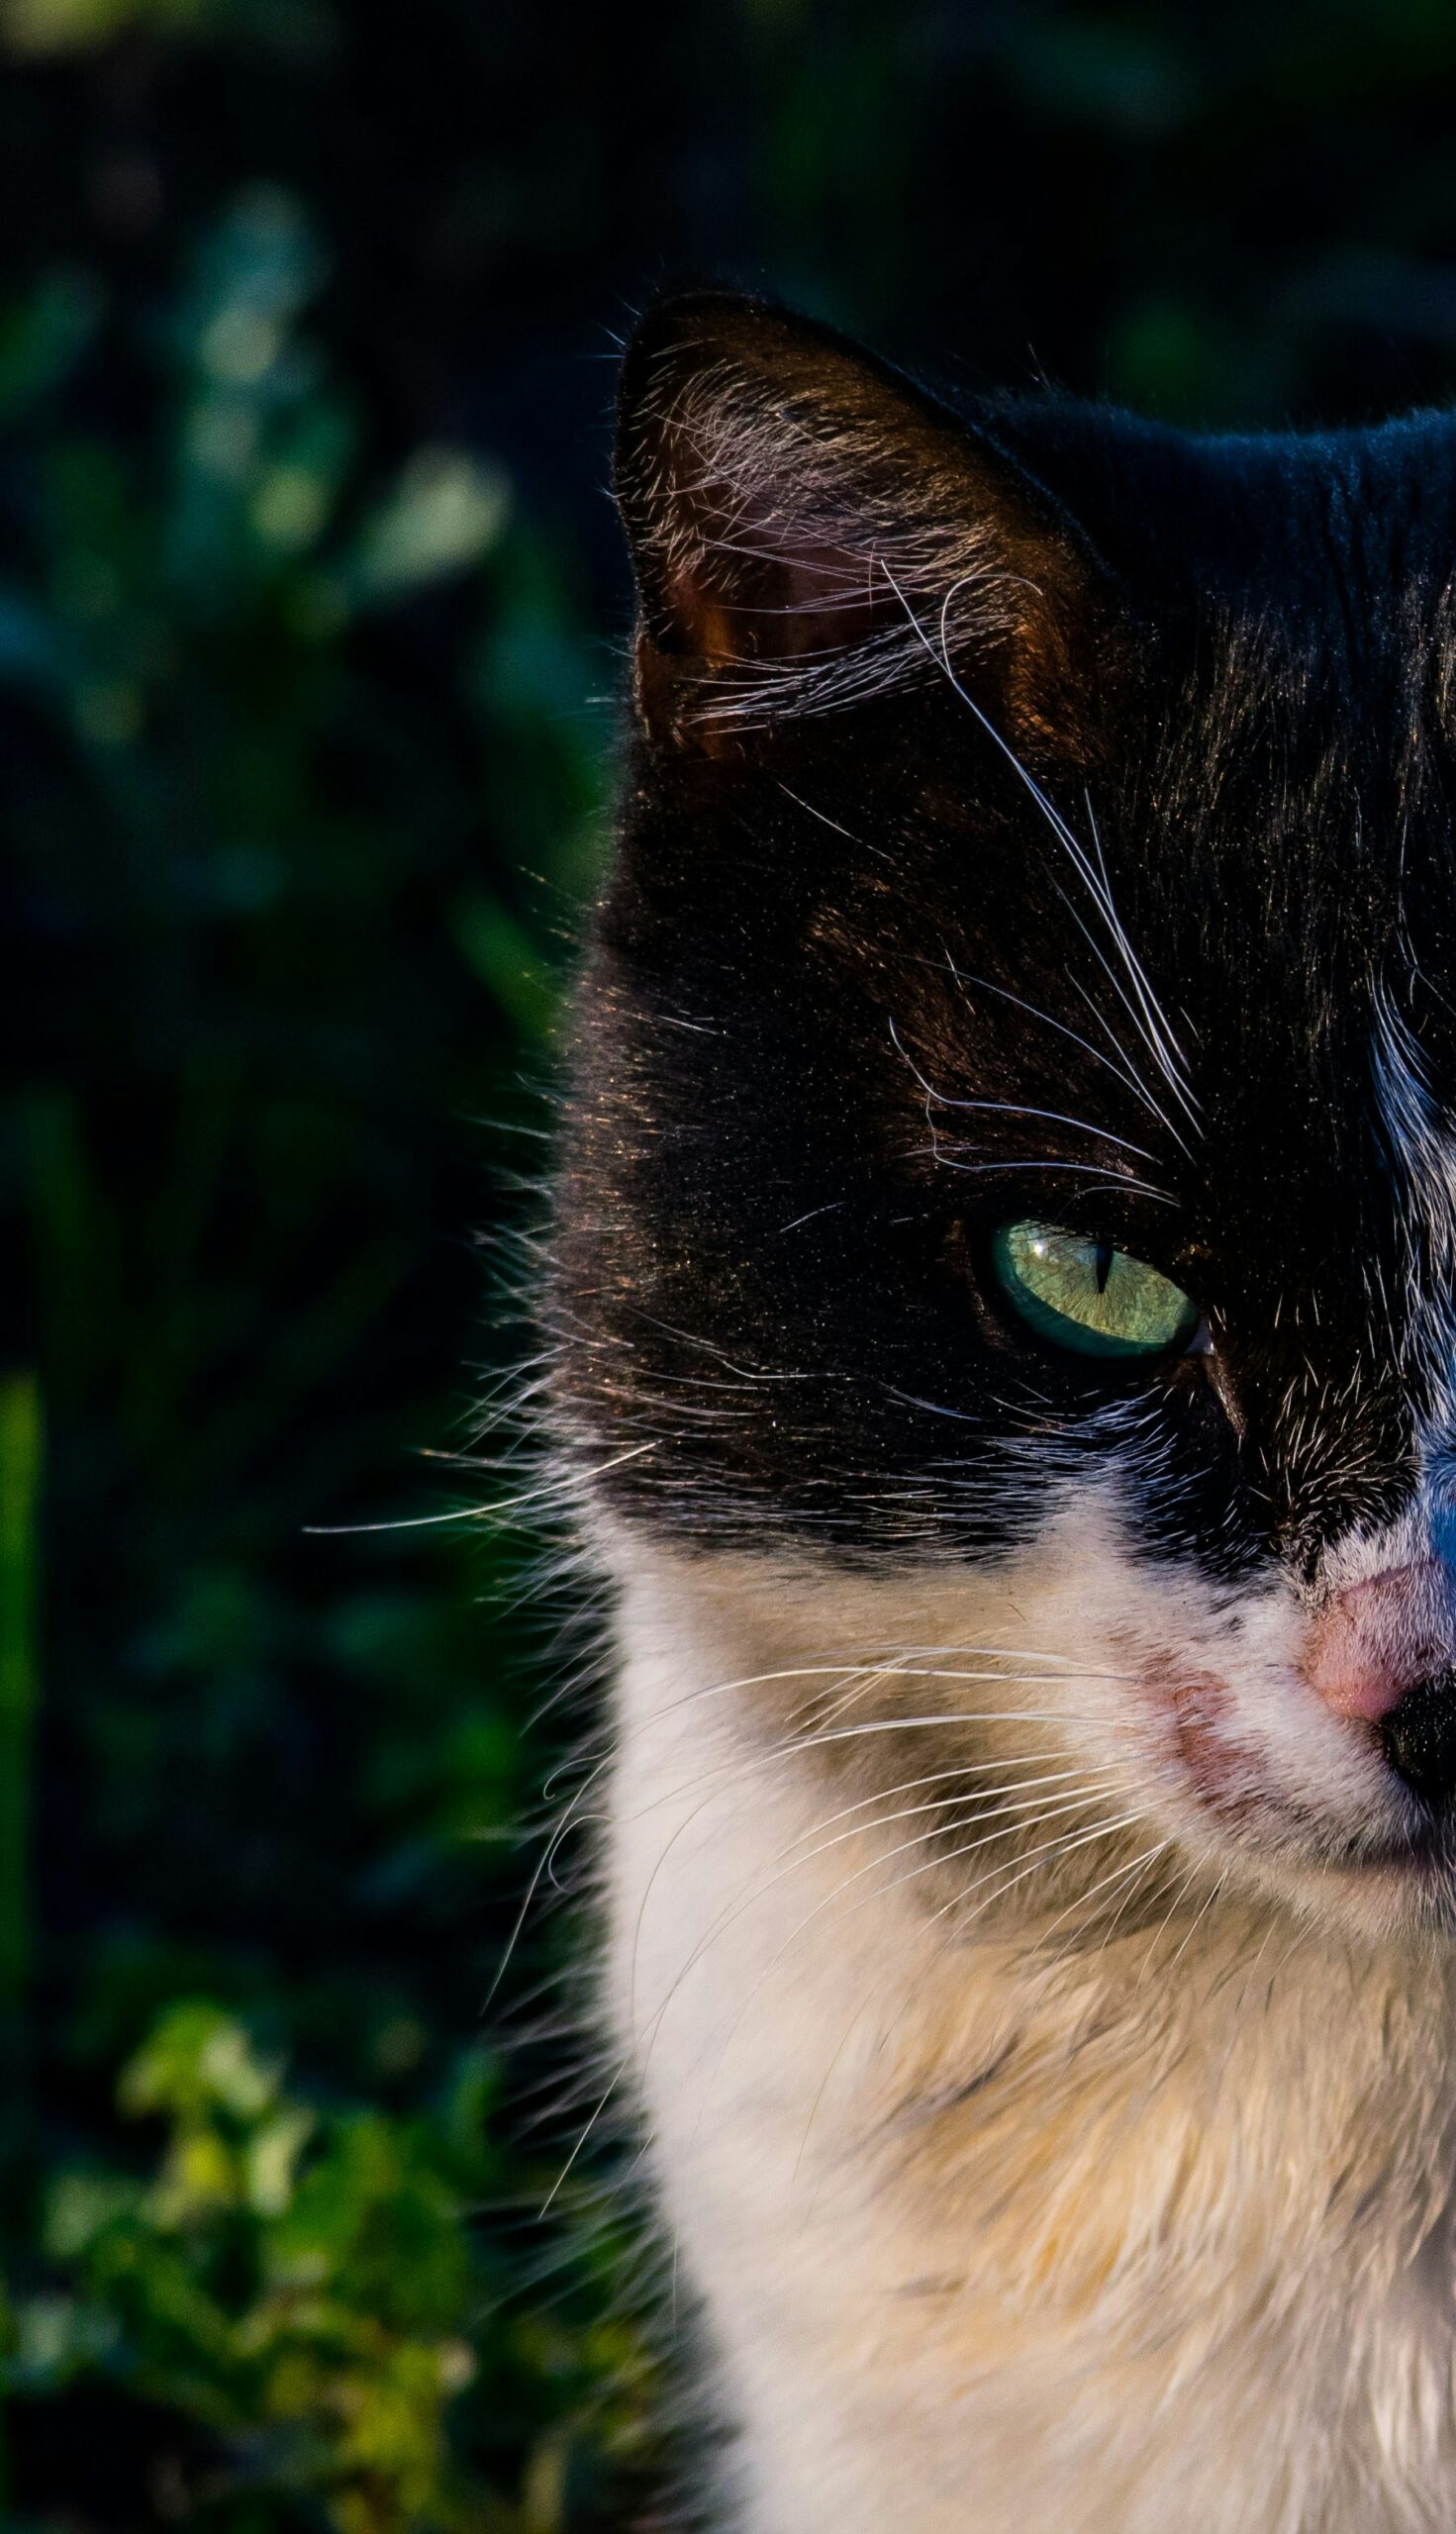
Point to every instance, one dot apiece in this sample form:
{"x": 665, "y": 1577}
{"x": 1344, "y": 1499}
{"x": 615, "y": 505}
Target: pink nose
{"x": 1375, "y": 1640}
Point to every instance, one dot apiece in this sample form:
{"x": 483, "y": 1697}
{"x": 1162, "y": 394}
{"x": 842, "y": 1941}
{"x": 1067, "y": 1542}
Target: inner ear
{"x": 749, "y": 583}
{"x": 808, "y": 530}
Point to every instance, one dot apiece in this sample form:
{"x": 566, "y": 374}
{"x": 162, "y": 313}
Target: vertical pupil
{"x": 1103, "y": 1261}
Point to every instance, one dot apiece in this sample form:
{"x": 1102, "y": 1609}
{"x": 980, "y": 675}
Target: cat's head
{"x": 1011, "y": 1152}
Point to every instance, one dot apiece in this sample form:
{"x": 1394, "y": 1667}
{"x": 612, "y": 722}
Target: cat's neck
{"x": 1154, "y": 2142}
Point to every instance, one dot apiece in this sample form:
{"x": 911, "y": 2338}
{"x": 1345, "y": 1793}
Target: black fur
{"x": 836, "y": 911}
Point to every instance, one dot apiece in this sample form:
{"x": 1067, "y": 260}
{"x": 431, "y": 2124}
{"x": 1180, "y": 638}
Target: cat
{"x": 1004, "y": 1298}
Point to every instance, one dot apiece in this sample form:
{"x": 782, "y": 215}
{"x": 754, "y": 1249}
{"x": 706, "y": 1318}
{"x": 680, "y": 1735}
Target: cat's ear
{"x": 808, "y": 530}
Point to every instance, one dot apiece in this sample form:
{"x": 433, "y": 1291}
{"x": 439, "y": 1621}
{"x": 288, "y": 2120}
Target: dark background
{"x": 311, "y": 606}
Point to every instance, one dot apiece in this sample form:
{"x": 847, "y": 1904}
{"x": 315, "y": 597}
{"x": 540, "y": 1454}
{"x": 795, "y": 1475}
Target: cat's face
{"x": 1010, "y": 1154}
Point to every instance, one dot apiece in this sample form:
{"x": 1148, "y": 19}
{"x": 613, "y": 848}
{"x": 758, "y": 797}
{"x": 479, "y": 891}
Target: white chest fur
{"x": 1152, "y": 2236}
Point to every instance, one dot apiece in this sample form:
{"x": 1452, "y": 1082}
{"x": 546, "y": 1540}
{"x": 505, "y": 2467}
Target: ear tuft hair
{"x": 810, "y": 531}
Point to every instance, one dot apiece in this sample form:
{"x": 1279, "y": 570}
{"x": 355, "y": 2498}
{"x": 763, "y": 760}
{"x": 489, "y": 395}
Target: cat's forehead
{"x": 1286, "y": 746}
{"x": 1298, "y": 520}
{"x": 1271, "y": 812}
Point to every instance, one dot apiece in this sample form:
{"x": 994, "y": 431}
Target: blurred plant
{"x": 47, "y": 27}
{"x": 64, "y": 25}
{"x": 275, "y": 703}
{"x": 250, "y": 511}
{"x": 298, "y": 2292}
{"x": 20, "y": 1476}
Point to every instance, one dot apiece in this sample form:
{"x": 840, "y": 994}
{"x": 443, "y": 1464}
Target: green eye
{"x": 1087, "y": 1296}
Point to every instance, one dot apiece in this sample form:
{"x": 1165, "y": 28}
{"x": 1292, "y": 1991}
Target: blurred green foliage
{"x": 308, "y": 595}
{"x": 276, "y": 986}
{"x": 301, "y": 2296}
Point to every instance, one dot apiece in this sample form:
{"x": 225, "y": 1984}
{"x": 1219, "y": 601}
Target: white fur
{"x": 1182, "y": 2256}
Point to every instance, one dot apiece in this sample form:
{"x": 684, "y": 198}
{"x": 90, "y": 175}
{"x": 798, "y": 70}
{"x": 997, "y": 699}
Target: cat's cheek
{"x": 1259, "y": 1765}
{"x": 1208, "y": 1697}
{"x": 1219, "y": 1765}
{"x": 1265, "y": 1786}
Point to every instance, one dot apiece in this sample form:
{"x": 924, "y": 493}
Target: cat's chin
{"x": 1397, "y": 1887}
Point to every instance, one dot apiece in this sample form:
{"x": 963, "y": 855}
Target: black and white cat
{"x": 1005, "y": 1282}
